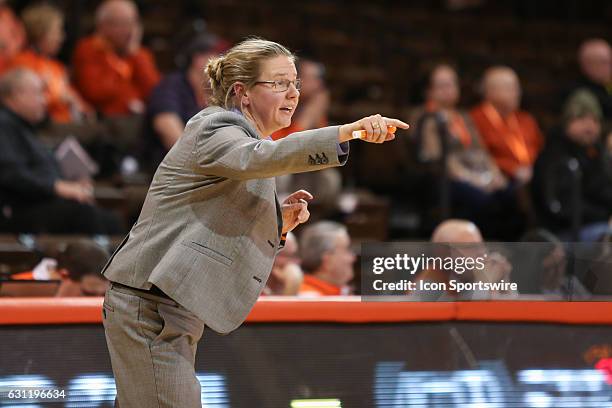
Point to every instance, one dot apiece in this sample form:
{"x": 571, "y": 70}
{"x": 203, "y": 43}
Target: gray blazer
{"x": 211, "y": 223}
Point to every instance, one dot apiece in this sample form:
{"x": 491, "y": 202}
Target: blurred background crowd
{"x": 509, "y": 102}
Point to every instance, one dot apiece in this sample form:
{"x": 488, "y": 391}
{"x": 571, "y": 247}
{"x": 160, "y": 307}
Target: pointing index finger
{"x": 396, "y": 122}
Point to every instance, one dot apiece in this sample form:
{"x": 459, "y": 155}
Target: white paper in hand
{"x": 74, "y": 161}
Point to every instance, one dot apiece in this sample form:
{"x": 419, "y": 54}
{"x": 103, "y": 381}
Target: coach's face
{"x": 271, "y": 101}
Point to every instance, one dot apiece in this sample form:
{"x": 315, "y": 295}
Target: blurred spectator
{"x": 511, "y": 135}
{"x": 552, "y": 272}
{"x": 80, "y": 265}
{"x": 608, "y": 153}
{"x": 12, "y": 35}
{"x": 595, "y": 60}
{"x": 598, "y": 278}
{"x": 44, "y": 26}
{"x": 286, "y": 276}
{"x": 113, "y": 71}
{"x": 578, "y": 141}
{"x": 327, "y": 259}
{"x": 178, "y": 97}
{"x": 34, "y": 196}
{"x": 478, "y": 189}
{"x": 311, "y": 113}
{"x": 457, "y": 231}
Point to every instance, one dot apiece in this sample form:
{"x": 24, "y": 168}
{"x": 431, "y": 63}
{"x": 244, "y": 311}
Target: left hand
{"x": 295, "y": 209}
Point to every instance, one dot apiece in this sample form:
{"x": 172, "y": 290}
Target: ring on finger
{"x": 375, "y": 125}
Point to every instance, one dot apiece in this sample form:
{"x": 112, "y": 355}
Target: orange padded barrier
{"x": 331, "y": 309}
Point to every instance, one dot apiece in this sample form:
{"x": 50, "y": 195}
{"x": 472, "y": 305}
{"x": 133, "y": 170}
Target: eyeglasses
{"x": 282, "y": 85}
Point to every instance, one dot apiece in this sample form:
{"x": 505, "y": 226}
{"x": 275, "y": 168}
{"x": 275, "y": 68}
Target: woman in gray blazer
{"x": 211, "y": 224}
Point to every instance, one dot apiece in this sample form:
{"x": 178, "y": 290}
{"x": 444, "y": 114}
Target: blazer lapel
{"x": 279, "y": 214}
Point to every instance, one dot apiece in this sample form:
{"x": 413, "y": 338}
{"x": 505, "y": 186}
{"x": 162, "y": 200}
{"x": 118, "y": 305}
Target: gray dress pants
{"x": 152, "y": 343}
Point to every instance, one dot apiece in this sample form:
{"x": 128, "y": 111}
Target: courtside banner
{"x": 442, "y": 364}
{"x": 423, "y": 271}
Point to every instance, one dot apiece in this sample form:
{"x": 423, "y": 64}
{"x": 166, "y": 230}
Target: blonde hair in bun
{"x": 240, "y": 64}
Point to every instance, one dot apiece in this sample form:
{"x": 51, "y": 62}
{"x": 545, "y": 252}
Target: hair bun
{"x": 214, "y": 70}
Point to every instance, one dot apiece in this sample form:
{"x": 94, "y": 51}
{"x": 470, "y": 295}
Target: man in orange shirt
{"x": 327, "y": 260}
{"x": 112, "y": 70}
{"x": 511, "y": 135}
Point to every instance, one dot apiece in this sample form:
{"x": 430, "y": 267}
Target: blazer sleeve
{"x": 230, "y": 152}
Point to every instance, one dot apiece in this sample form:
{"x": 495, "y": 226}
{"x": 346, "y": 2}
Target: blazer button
{"x": 324, "y": 160}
